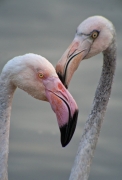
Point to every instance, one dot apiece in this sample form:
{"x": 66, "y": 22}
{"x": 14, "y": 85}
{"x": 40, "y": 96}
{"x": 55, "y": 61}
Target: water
{"x": 47, "y": 28}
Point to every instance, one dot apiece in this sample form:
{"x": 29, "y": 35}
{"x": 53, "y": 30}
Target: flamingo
{"x": 35, "y": 75}
{"x": 94, "y": 35}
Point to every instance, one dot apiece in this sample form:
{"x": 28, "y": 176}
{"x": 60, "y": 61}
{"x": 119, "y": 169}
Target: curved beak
{"x": 64, "y": 106}
{"x": 72, "y": 57}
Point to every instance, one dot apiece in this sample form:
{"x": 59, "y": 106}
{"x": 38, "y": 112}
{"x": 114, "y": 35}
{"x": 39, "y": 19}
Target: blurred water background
{"x": 47, "y": 28}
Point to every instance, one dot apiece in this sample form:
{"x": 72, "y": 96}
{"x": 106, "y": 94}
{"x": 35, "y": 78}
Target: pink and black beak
{"x": 64, "y": 106}
{"x": 71, "y": 59}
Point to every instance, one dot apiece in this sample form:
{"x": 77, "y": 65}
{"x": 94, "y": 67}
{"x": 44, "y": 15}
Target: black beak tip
{"x": 63, "y": 130}
{"x": 68, "y": 130}
{"x": 62, "y": 79}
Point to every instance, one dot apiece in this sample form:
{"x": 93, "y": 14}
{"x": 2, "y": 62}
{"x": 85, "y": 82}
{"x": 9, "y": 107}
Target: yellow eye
{"x": 95, "y": 34}
{"x": 40, "y": 75}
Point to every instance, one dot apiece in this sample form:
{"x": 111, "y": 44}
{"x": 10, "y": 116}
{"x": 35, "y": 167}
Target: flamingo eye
{"x": 94, "y": 34}
{"x": 40, "y": 75}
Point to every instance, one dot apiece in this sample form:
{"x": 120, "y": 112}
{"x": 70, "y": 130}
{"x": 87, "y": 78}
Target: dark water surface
{"x": 47, "y": 28}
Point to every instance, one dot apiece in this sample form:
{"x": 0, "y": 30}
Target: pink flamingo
{"x": 35, "y": 75}
{"x": 94, "y": 35}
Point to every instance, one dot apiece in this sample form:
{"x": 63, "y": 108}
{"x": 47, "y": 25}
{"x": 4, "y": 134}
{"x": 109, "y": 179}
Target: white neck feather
{"x": 6, "y": 95}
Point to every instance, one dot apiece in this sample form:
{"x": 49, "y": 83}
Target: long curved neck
{"x": 81, "y": 168}
{"x": 6, "y": 95}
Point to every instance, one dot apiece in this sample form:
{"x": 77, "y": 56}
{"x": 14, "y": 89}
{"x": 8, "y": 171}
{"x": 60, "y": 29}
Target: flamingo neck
{"x": 81, "y": 168}
{"x": 103, "y": 91}
{"x": 6, "y": 95}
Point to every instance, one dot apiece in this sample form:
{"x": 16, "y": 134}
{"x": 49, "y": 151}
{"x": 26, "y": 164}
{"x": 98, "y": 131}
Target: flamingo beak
{"x": 71, "y": 59}
{"x": 64, "y": 106}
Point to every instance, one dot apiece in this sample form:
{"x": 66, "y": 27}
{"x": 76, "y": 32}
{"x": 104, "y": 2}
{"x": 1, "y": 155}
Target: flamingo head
{"x": 36, "y": 75}
{"x": 93, "y": 35}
